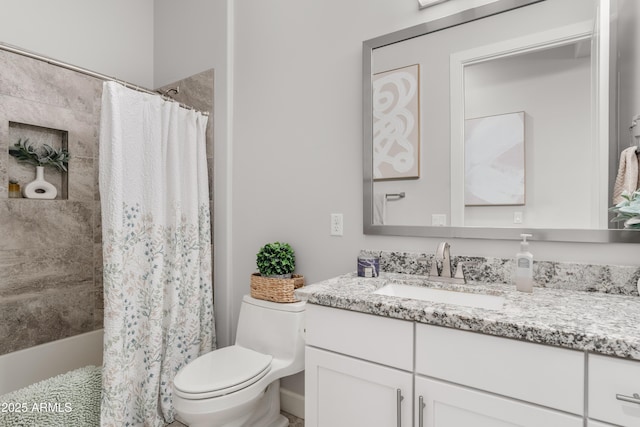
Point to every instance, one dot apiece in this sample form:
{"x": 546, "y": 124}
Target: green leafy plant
{"x": 44, "y": 155}
{"x": 628, "y": 211}
{"x": 276, "y": 259}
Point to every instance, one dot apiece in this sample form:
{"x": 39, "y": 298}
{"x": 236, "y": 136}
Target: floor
{"x": 293, "y": 421}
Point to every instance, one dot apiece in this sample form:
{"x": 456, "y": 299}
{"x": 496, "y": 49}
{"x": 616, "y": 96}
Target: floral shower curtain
{"x": 157, "y": 252}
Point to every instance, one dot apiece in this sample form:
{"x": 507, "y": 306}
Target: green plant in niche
{"x": 275, "y": 259}
{"x": 45, "y": 155}
{"x": 628, "y": 210}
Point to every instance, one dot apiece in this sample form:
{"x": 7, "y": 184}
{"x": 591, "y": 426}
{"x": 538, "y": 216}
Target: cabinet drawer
{"x": 536, "y": 373}
{"x": 448, "y": 405}
{"x": 375, "y": 338}
{"x": 610, "y": 379}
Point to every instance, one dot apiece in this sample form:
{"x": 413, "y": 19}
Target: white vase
{"x": 39, "y": 188}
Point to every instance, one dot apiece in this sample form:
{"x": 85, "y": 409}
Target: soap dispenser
{"x": 524, "y": 266}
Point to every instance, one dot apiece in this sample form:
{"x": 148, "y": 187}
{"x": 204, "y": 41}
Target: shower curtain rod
{"x": 90, "y": 73}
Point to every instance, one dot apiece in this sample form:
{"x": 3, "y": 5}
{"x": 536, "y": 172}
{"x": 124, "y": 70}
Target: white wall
{"x": 189, "y": 37}
{"x": 112, "y": 37}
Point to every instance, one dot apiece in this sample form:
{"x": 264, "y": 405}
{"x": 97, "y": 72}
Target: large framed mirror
{"x": 493, "y": 122}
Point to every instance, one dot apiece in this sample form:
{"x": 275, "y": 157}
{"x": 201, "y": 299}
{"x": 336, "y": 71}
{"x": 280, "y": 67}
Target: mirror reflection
{"x": 502, "y": 122}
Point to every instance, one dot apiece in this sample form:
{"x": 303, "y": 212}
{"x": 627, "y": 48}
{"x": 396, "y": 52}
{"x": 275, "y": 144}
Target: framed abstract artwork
{"x": 396, "y": 124}
{"x": 494, "y": 160}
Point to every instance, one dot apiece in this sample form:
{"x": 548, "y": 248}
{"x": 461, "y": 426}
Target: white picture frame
{"x": 494, "y": 160}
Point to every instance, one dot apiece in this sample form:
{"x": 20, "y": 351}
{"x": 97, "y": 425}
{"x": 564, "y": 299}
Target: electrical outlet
{"x": 337, "y": 225}
{"x": 517, "y": 217}
{"x": 438, "y": 220}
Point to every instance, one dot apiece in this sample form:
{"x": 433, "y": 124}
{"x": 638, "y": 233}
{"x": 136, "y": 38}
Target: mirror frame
{"x": 500, "y": 233}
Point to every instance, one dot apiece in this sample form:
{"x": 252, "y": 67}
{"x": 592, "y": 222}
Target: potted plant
{"x": 628, "y": 211}
{"x": 276, "y": 260}
{"x": 44, "y": 155}
{"x": 275, "y": 281}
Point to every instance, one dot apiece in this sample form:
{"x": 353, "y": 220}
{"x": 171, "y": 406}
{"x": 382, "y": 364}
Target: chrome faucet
{"x": 443, "y": 258}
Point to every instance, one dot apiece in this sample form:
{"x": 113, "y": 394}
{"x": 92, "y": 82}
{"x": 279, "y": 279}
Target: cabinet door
{"x": 341, "y": 391}
{"x": 447, "y": 405}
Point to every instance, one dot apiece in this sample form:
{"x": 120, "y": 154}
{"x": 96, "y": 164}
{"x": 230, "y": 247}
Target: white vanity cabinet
{"x": 367, "y": 370}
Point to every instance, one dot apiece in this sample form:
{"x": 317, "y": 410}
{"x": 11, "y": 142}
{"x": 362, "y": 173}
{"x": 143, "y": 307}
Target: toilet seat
{"x": 221, "y": 372}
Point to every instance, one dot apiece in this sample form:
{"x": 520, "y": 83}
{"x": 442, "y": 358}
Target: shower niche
{"x": 23, "y": 173}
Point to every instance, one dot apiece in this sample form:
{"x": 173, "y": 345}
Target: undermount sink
{"x": 478, "y": 300}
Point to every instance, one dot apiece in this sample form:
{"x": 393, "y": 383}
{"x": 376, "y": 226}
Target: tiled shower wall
{"x": 50, "y": 250}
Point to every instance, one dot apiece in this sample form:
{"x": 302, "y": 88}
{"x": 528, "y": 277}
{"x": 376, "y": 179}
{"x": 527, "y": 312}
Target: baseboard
{"x": 292, "y": 403}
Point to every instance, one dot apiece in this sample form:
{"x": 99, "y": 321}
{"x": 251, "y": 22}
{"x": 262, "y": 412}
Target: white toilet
{"x": 239, "y": 385}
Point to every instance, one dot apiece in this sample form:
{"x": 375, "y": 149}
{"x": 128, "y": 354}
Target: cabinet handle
{"x": 399, "y": 399}
{"x": 421, "y": 406}
{"x": 632, "y": 399}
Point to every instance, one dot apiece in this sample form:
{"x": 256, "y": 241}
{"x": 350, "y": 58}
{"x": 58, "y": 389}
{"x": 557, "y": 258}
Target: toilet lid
{"x": 221, "y": 371}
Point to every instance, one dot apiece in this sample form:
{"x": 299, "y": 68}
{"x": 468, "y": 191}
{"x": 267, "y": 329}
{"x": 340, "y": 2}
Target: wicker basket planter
{"x": 275, "y": 289}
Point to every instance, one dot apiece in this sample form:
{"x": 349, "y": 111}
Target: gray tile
{"x": 48, "y": 289}
{"x": 82, "y": 127}
{"x": 29, "y": 224}
{"x": 195, "y": 91}
{"x": 40, "y": 82}
{"x": 98, "y": 318}
{"x": 30, "y": 320}
{"x": 4, "y": 177}
{"x": 96, "y": 180}
{"x": 97, "y": 222}
{"x": 36, "y": 270}
{"x": 81, "y": 179}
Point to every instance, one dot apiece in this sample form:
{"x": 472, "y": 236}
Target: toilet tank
{"x": 272, "y": 328}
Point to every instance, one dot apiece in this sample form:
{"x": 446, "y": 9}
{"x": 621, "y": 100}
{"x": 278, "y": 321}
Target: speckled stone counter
{"x": 593, "y": 321}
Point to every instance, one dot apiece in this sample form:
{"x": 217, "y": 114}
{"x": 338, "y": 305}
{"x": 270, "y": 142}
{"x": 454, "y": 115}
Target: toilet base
{"x": 267, "y": 413}
{"x": 263, "y": 412}
{"x": 281, "y": 421}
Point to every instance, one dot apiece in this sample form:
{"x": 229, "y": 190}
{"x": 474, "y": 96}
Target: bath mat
{"x": 66, "y": 400}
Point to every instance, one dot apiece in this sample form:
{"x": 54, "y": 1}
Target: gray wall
{"x": 50, "y": 253}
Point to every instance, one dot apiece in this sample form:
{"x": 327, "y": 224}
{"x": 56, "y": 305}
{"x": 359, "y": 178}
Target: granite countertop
{"x": 592, "y": 321}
